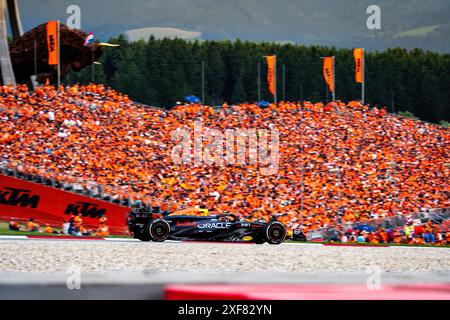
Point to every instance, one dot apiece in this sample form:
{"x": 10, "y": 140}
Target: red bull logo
{"x": 185, "y": 224}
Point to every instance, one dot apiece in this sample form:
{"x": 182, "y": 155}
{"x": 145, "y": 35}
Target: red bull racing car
{"x": 152, "y": 225}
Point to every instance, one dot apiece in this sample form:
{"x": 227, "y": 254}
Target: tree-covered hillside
{"x": 162, "y": 72}
{"x": 340, "y": 23}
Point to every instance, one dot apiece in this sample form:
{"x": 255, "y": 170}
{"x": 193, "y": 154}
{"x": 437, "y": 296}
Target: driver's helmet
{"x": 226, "y": 217}
{"x": 202, "y": 212}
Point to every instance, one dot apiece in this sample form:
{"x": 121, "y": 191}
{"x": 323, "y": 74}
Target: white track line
{"x": 13, "y": 238}
{"x": 134, "y": 240}
{"x": 301, "y": 244}
{"x": 76, "y": 239}
{"x": 121, "y": 240}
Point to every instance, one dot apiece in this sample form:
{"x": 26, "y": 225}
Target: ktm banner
{"x": 271, "y": 60}
{"x": 52, "y": 42}
{"x": 328, "y": 72}
{"x": 22, "y": 199}
{"x": 359, "y": 64}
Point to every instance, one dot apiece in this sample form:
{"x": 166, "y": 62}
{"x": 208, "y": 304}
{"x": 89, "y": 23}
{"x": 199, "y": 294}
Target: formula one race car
{"x": 151, "y": 225}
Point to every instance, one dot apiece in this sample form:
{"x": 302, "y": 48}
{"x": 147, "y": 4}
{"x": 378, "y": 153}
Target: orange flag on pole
{"x": 271, "y": 61}
{"x": 359, "y": 64}
{"x": 52, "y": 42}
{"x": 328, "y": 72}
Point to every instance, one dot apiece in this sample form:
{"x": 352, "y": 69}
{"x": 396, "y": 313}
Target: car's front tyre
{"x": 275, "y": 232}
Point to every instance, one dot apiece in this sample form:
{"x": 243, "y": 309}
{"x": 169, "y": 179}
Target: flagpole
{"x": 259, "y": 81}
{"x": 275, "y": 80}
{"x": 203, "y": 82}
{"x": 35, "y": 59}
{"x": 93, "y": 65}
{"x": 284, "y": 82}
{"x": 59, "y": 56}
{"x": 334, "y": 80}
{"x": 363, "y": 84}
{"x": 302, "y": 168}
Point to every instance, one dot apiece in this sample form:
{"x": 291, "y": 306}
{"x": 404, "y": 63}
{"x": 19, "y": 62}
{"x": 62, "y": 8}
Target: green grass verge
{"x": 4, "y": 231}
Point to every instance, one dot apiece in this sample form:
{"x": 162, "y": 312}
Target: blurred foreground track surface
{"x": 53, "y": 269}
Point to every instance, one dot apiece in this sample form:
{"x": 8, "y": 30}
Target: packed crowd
{"x": 339, "y": 163}
{"x": 419, "y": 234}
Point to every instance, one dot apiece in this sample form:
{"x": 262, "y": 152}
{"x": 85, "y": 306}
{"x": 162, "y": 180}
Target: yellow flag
{"x": 328, "y": 72}
{"x": 358, "y": 53}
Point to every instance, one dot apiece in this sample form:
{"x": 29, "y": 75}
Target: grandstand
{"x": 339, "y": 163}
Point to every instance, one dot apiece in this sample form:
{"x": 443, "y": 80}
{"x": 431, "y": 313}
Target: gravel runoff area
{"x": 56, "y": 256}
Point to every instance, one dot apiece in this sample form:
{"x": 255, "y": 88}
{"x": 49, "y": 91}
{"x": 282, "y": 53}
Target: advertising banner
{"x": 22, "y": 200}
{"x": 52, "y": 42}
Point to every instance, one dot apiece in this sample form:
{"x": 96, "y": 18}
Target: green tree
{"x": 161, "y": 72}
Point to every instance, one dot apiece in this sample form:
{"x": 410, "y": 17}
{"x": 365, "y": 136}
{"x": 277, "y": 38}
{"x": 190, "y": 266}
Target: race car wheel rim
{"x": 276, "y": 233}
{"x": 159, "y": 230}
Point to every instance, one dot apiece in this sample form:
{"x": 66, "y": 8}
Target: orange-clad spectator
{"x": 384, "y": 236}
{"x": 397, "y": 237}
{"x": 102, "y": 219}
{"x": 83, "y": 231}
{"x": 48, "y": 229}
{"x": 78, "y": 221}
{"x": 373, "y": 238}
{"x": 32, "y": 226}
{"x": 418, "y": 240}
{"x": 103, "y": 230}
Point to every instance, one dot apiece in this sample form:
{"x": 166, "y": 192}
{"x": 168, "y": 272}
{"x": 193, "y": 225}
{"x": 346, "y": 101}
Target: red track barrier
{"x": 22, "y": 200}
{"x": 308, "y": 292}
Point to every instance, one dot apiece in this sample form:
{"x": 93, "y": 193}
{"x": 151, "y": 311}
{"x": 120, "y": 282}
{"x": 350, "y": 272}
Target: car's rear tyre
{"x": 159, "y": 230}
{"x": 275, "y": 232}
